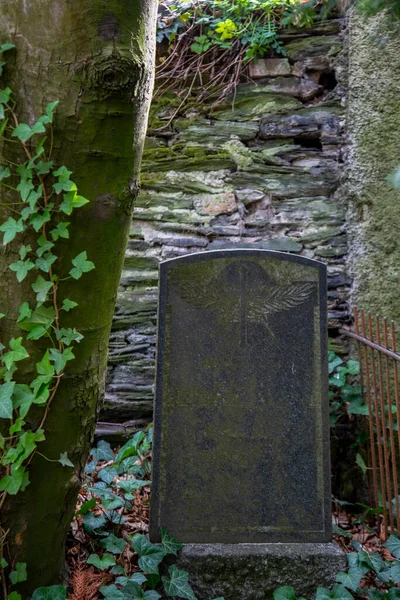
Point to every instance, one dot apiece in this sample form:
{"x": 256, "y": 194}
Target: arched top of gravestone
{"x": 229, "y": 253}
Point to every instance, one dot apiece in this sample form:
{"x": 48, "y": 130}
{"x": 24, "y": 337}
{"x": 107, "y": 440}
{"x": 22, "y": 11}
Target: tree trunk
{"x": 96, "y": 57}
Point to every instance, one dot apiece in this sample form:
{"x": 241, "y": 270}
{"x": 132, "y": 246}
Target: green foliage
{"x": 253, "y": 23}
{"x": 177, "y": 584}
{"x": 54, "y": 592}
{"x": 344, "y": 392}
{"x": 382, "y": 576}
{"x": 109, "y": 500}
{"x": 37, "y": 194}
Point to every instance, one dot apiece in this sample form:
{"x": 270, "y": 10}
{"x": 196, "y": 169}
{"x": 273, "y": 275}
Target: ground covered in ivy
{"x": 110, "y": 557}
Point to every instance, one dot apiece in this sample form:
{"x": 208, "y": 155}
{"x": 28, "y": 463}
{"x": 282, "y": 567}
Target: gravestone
{"x": 241, "y": 440}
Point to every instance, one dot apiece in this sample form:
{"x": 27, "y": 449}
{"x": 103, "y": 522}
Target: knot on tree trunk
{"x": 115, "y": 73}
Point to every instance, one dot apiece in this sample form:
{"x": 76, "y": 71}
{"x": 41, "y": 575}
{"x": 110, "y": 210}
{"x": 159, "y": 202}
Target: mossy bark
{"x": 374, "y": 152}
{"x": 96, "y": 57}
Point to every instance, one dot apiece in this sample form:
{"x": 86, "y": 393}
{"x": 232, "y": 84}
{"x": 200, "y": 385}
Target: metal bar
{"x": 370, "y": 412}
{"x": 384, "y": 427}
{"x": 377, "y": 420}
{"x": 391, "y": 429}
{"x": 369, "y": 343}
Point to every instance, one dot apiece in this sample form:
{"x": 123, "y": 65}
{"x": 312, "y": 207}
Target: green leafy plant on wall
{"x": 210, "y": 42}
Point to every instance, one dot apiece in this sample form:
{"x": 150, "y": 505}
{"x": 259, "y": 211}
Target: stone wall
{"x": 265, "y": 173}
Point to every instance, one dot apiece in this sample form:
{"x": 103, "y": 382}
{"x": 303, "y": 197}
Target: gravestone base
{"x": 255, "y": 571}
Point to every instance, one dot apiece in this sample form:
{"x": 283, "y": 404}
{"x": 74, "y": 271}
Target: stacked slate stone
{"x": 265, "y": 173}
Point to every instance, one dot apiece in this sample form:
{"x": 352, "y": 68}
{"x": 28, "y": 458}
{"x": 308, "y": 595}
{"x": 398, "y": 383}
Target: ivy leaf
{"x": 64, "y": 183}
{"x": 45, "y": 245}
{"x": 14, "y": 596}
{"x": 34, "y": 196}
{"x": 393, "y": 545}
{"x": 339, "y": 592}
{"x": 50, "y": 109}
{"x": 18, "y": 480}
{"x": 178, "y": 584}
{"x": 86, "y": 507}
{"x": 41, "y": 287}
{"x": 39, "y": 219}
{"x": 360, "y": 462}
{"x": 41, "y": 388}
{"x": 10, "y": 228}
{"x": 23, "y": 132}
{"x": 285, "y": 592}
{"x": 92, "y": 523}
{"x": 26, "y": 445}
{"x": 37, "y": 332}
{"x": 60, "y": 231}
{"x": 62, "y": 173}
{"x": 103, "y": 451}
{"x": 395, "y": 571}
{"x": 68, "y": 304}
{"x": 25, "y": 187}
{"x": 170, "y": 545}
{"x": 6, "y": 47}
{"x": 131, "y": 447}
{"x": 44, "y": 367}
{"x": 3, "y": 563}
{"x": 17, "y": 426}
{"x": 4, "y": 172}
{"x": 39, "y": 148}
{"x": 152, "y": 595}
{"x": 42, "y": 315}
{"x": 71, "y": 199}
{"x": 131, "y": 485}
{"x": 114, "y": 545}
{"x": 67, "y": 336}
{"x": 22, "y": 398}
{"x": 43, "y": 168}
{"x": 137, "y": 578}
{"x": 111, "y": 592}
{"x": 64, "y": 460}
{"x": 375, "y": 561}
{"x": 60, "y": 359}
{"x": 45, "y": 262}
{"x": 21, "y": 268}
{"x": 19, "y": 574}
{"x": 81, "y": 265}
{"x": 53, "y": 592}
{"x": 6, "y": 405}
{"x": 16, "y": 354}
{"x": 24, "y": 250}
{"x": 5, "y": 95}
{"x": 106, "y": 561}
{"x": 108, "y": 474}
{"x": 150, "y": 554}
{"x": 351, "y": 579}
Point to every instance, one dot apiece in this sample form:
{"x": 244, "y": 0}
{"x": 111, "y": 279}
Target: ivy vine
{"x": 41, "y": 197}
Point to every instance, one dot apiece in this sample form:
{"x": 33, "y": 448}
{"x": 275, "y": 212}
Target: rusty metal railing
{"x": 379, "y": 380}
